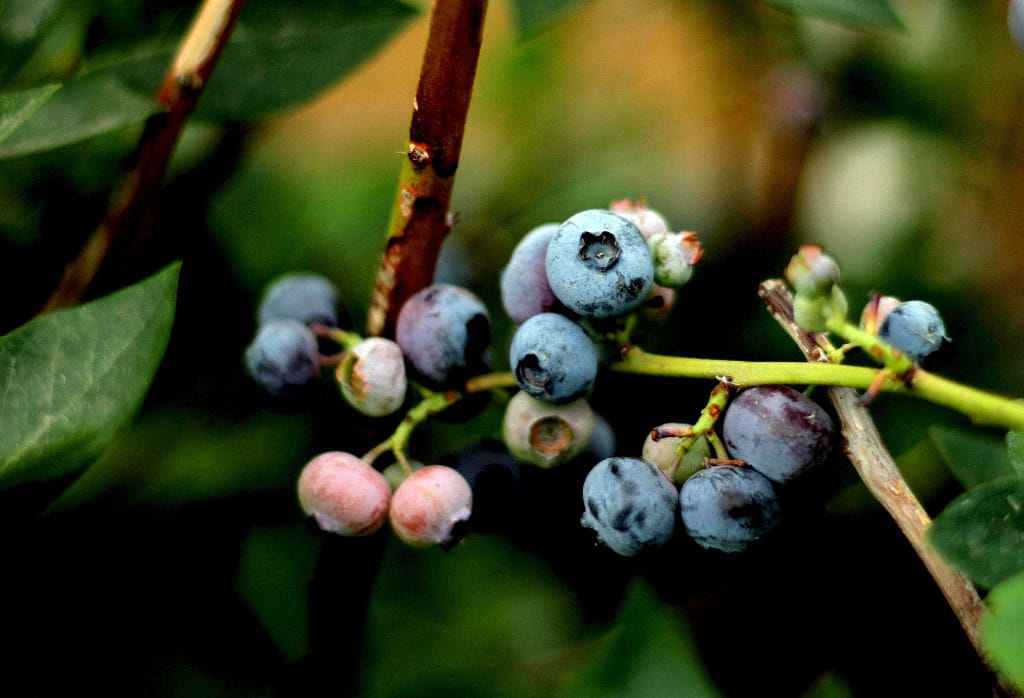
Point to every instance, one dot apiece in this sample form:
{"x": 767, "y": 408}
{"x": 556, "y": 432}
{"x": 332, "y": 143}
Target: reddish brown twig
{"x": 421, "y": 219}
{"x": 132, "y": 202}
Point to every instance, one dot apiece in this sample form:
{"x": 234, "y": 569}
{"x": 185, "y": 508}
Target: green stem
{"x": 979, "y": 405}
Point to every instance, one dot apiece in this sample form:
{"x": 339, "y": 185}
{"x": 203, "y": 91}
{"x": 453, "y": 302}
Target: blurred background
{"x": 179, "y": 564}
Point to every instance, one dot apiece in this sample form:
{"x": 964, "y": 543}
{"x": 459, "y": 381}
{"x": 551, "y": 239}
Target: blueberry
{"x": 630, "y": 504}
{"x": 674, "y": 255}
{"x": 778, "y": 431}
{"x": 303, "y": 296}
{"x": 444, "y": 332}
{"x": 552, "y": 358}
{"x": 728, "y": 507}
{"x": 915, "y": 328}
{"x": 284, "y": 358}
{"x": 372, "y": 376}
{"x": 545, "y": 434}
{"x": 525, "y": 291}
{"x": 599, "y": 265}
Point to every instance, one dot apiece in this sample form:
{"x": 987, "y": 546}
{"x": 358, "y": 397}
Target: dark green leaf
{"x": 17, "y": 107}
{"x": 23, "y": 23}
{"x": 70, "y": 380}
{"x": 981, "y": 532}
{"x": 973, "y": 457}
{"x": 534, "y": 15}
{"x": 273, "y": 577}
{"x": 280, "y": 54}
{"x": 1002, "y": 628}
{"x": 647, "y": 653}
{"x": 88, "y": 106}
{"x": 859, "y": 14}
{"x": 1015, "y": 449}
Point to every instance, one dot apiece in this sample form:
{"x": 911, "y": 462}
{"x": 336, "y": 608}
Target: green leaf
{"x": 274, "y": 569}
{"x": 648, "y": 652}
{"x": 973, "y": 457}
{"x": 23, "y": 24}
{"x": 533, "y": 15}
{"x": 88, "y": 106}
{"x": 17, "y": 107}
{"x": 1015, "y": 450}
{"x": 1002, "y": 628}
{"x": 280, "y": 54}
{"x": 70, "y": 380}
{"x": 981, "y": 532}
{"x": 859, "y": 14}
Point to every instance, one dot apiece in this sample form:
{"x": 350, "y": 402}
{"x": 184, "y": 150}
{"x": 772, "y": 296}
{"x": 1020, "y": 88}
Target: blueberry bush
{"x": 680, "y": 360}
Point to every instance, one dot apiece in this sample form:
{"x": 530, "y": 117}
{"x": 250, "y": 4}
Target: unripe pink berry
{"x": 431, "y": 507}
{"x": 345, "y": 494}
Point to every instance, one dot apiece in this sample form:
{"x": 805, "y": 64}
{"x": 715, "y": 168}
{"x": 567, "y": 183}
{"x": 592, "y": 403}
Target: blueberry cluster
{"x": 773, "y": 433}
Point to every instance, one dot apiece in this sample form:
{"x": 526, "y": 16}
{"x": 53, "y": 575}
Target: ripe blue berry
{"x": 525, "y": 291}
{"x": 444, "y": 332}
{"x": 303, "y": 296}
{"x": 599, "y": 265}
{"x": 915, "y": 328}
{"x": 778, "y": 431}
{"x": 552, "y": 358}
{"x": 546, "y": 434}
{"x": 727, "y": 507}
{"x": 372, "y": 376}
{"x": 344, "y": 494}
{"x": 431, "y": 507}
{"x": 284, "y": 358}
{"x": 630, "y": 504}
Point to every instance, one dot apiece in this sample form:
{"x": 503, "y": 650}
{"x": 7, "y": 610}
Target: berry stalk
{"x": 131, "y": 206}
{"x": 981, "y": 406}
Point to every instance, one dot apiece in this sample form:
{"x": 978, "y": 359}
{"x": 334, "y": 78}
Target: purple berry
{"x": 303, "y": 296}
{"x": 778, "y": 431}
{"x": 525, "y": 291}
{"x": 444, "y": 332}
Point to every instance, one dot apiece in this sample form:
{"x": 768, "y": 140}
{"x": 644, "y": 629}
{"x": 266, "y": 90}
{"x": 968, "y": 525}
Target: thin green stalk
{"x": 979, "y": 405}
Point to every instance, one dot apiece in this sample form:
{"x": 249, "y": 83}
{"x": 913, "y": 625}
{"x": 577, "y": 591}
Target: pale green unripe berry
{"x": 662, "y": 452}
{"x": 811, "y": 272}
{"x": 674, "y": 255}
{"x": 546, "y": 434}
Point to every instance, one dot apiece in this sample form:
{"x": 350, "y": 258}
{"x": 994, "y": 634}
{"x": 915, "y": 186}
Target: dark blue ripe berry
{"x": 284, "y": 358}
{"x": 599, "y": 265}
{"x": 630, "y": 504}
{"x": 525, "y": 291}
{"x": 915, "y": 328}
{"x": 778, "y": 431}
{"x": 444, "y": 332}
{"x": 552, "y": 358}
{"x": 727, "y": 507}
{"x": 303, "y": 296}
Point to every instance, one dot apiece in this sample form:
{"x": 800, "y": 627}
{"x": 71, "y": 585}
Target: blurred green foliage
{"x": 178, "y": 563}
